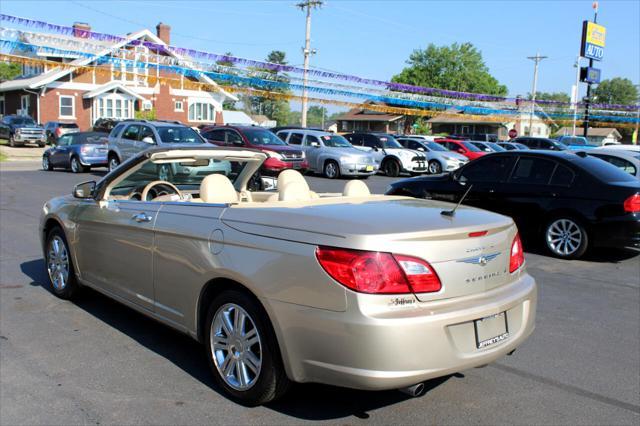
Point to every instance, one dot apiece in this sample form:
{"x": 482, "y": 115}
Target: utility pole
{"x": 308, "y": 4}
{"x": 536, "y": 59}
{"x": 587, "y": 101}
{"x": 576, "y": 95}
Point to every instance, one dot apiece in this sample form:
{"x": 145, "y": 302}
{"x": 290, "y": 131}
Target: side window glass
{"x": 215, "y": 135}
{"x": 116, "y": 131}
{"x": 532, "y": 171}
{"x": 146, "y": 132}
{"x": 131, "y": 133}
{"x": 311, "y": 139}
{"x": 234, "y": 138}
{"x": 295, "y": 138}
{"x": 64, "y": 140}
{"x": 562, "y": 176}
{"x": 489, "y": 169}
{"x": 283, "y": 136}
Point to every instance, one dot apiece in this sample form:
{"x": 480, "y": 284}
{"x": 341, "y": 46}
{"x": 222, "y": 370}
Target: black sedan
{"x": 77, "y": 151}
{"x": 569, "y": 202}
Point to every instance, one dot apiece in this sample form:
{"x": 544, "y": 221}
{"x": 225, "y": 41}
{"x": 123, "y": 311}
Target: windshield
{"x": 482, "y": 146}
{"x": 389, "y": 141}
{"x": 471, "y": 147}
{"x": 335, "y": 141}
{"x": 434, "y": 146}
{"x": 179, "y": 135}
{"x": 495, "y": 147}
{"x": 24, "y": 120}
{"x": 262, "y": 137}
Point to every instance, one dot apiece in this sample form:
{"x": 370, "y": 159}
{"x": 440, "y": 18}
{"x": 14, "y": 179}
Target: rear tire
{"x": 114, "y": 162}
{"x": 331, "y": 170}
{"x": 248, "y": 369}
{"x": 76, "y": 167}
{"x": 46, "y": 164}
{"x": 565, "y": 237}
{"x": 60, "y": 265}
{"x": 392, "y": 168}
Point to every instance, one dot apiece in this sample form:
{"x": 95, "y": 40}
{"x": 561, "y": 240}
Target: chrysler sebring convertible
{"x": 289, "y": 285}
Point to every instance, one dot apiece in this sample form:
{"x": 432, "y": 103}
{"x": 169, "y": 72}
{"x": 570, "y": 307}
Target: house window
{"x": 24, "y": 104}
{"x": 178, "y": 106}
{"x": 134, "y": 66}
{"x": 199, "y": 111}
{"x": 67, "y": 106}
{"x": 118, "y": 108}
{"x": 113, "y": 105}
{"x": 109, "y": 112}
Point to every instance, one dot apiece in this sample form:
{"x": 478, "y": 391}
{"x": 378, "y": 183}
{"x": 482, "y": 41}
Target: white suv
{"x": 392, "y": 157}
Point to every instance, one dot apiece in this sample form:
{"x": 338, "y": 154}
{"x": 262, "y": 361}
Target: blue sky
{"x": 374, "y": 38}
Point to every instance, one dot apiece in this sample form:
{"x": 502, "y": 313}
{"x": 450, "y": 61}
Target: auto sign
{"x": 593, "y": 40}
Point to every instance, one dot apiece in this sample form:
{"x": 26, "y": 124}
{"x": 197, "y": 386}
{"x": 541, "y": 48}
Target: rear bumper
{"x": 378, "y": 348}
{"x": 94, "y": 160}
{"x": 621, "y": 232}
{"x": 273, "y": 165}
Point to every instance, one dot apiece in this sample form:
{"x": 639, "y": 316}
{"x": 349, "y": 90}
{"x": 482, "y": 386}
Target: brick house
{"x": 53, "y": 93}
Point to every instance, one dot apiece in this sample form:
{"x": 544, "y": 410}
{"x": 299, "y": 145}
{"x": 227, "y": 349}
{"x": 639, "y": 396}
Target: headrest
{"x": 287, "y": 176}
{"x": 356, "y": 188}
{"x": 294, "y": 191}
{"x": 217, "y": 189}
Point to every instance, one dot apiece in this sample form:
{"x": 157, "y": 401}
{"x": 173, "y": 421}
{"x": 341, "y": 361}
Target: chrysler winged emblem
{"x": 480, "y": 260}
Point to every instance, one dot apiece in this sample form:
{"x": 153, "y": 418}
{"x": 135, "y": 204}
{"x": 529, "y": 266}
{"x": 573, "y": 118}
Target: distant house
{"x": 240, "y": 118}
{"x": 49, "y": 92}
{"x": 366, "y": 120}
{"x": 331, "y": 126}
{"x": 596, "y": 135}
{"x": 456, "y": 123}
{"x": 263, "y": 120}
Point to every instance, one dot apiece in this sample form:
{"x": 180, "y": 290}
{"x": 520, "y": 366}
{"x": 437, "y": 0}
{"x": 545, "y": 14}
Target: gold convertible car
{"x": 351, "y": 289}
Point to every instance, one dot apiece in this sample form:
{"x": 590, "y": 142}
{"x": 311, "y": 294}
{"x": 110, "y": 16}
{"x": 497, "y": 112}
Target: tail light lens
{"x": 378, "y": 273}
{"x": 58, "y": 131}
{"x": 85, "y": 148}
{"x": 632, "y": 204}
{"x": 517, "y": 254}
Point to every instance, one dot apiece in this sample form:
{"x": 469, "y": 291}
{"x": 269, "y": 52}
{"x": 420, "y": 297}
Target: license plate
{"x": 369, "y": 168}
{"x": 491, "y": 330}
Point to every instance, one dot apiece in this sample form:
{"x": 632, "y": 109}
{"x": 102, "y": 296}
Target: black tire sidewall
{"x": 584, "y": 244}
{"x": 272, "y": 378}
{"x": 72, "y": 283}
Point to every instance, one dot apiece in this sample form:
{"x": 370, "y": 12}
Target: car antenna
{"x": 452, "y": 212}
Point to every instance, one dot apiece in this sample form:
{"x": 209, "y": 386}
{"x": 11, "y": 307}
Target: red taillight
{"x": 58, "y": 131}
{"x": 632, "y": 204}
{"x": 517, "y": 255}
{"x": 378, "y": 273}
{"x": 478, "y": 234}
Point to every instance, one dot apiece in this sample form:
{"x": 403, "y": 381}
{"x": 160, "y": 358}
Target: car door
{"x": 127, "y": 142}
{"x": 59, "y": 155}
{"x": 374, "y": 146}
{"x": 486, "y": 176}
{"x": 146, "y": 139}
{"x": 215, "y": 136}
{"x": 115, "y": 240}
{"x": 312, "y": 147}
{"x": 233, "y": 138}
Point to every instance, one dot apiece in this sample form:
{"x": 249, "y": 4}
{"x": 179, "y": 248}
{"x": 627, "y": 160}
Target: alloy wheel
{"x": 113, "y": 164}
{"x": 331, "y": 170}
{"x": 236, "y": 347}
{"x": 75, "y": 167}
{"x": 564, "y": 237}
{"x": 435, "y": 168}
{"x": 58, "y": 263}
{"x": 45, "y": 163}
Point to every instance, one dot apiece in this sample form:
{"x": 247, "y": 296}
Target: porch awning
{"x": 110, "y": 87}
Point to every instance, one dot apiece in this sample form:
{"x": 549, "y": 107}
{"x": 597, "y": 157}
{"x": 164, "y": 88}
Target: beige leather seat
{"x": 217, "y": 189}
{"x": 298, "y": 192}
{"x": 356, "y": 188}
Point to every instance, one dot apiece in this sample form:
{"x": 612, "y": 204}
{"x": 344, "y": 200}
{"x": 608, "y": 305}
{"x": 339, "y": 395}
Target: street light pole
{"x": 308, "y": 4}
{"x": 536, "y": 59}
{"x": 576, "y": 95}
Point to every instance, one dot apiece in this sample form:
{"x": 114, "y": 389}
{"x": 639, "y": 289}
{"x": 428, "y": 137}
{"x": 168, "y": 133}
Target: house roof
{"x": 236, "y": 117}
{"x": 459, "y": 119}
{"x": 593, "y": 131}
{"x": 112, "y": 86}
{"x": 358, "y": 114}
{"x": 57, "y": 73}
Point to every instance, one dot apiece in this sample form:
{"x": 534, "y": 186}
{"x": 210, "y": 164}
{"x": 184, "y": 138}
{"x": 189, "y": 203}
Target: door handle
{"x": 142, "y": 217}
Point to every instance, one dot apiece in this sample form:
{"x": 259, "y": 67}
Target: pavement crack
{"x": 569, "y": 388}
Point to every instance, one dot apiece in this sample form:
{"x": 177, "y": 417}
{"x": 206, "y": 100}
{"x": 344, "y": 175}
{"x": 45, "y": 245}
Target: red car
{"x": 463, "y": 147}
{"x": 281, "y": 155}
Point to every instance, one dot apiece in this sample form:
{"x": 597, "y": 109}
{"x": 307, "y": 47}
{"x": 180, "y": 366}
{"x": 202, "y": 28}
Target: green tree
{"x": 275, "y": 109}
{"x": 9, "y": 70}
{"x": 316, "y": 116}
{"x": 616, "y": 91}
{"x": 227, "y": 105}
{"x": 551, "y": 96}
{"x": 457, "y": 67}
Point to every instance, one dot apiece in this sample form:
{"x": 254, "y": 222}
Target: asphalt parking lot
{"x": 94, "y": 361}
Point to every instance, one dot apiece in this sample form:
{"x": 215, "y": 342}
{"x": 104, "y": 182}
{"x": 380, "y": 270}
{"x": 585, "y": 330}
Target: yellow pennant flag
{"x": 634, "y": 137}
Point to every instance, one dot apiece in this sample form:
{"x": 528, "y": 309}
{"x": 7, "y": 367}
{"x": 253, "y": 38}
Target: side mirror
{"x": 84, "y": 190}
{"x": 149, "y": 140}
{"x": 237, "y": 142}
{"x": 315, "y": 144}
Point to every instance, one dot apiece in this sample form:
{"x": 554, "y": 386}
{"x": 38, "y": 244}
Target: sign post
{"x": 592, "y": 47}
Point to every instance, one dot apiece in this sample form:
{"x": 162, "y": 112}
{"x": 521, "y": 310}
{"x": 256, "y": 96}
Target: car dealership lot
{"x": 95, "y": 361}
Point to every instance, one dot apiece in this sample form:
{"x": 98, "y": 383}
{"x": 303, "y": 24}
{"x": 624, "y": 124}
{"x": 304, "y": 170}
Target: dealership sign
{"x": 593, "y": 39}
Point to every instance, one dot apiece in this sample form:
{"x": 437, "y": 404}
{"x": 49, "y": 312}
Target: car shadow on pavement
{"x": 304, "y": 401}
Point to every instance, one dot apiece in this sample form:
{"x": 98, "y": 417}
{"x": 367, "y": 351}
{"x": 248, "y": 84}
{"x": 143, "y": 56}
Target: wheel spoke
{"x": 242, "y": 375}
{"x": 239, "y": 322}
{"x": 226, "y": 324}
{"x": 252, "y": 362}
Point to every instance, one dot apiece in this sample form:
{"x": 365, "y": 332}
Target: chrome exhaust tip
{"x": 415, "y": 390}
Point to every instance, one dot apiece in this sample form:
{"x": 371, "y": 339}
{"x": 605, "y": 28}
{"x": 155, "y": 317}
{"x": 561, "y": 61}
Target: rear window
{"x": 69, "y": 125}
{"x": 178, "y": 135}
{"x": 604, "y": 171}
{"x": 470, "y": 146}
{"x": 295, "y": 138}
{"x": 532, "y": 171}
{"x": 88, "y": 138}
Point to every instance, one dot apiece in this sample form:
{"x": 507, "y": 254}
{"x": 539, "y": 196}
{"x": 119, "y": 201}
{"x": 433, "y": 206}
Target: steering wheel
{"x": 168, "y": 187}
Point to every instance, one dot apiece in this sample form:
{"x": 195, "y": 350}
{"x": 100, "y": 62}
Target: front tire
{"x": 76, "y": 167}
{"x": 435, "y": 168}
{"x": 60, "y": 266}
{"x": 12, "y": 141}
{"x": 242, "y": 350}
{"x": 331, "y": 170}
{"x": 392, "y": 168}
{"x": 566, "y": 238}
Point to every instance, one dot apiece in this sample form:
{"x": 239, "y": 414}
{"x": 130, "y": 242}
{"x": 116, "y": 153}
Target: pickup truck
{"x": 576, "y": 142}
{"x": 20, "y": 130}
